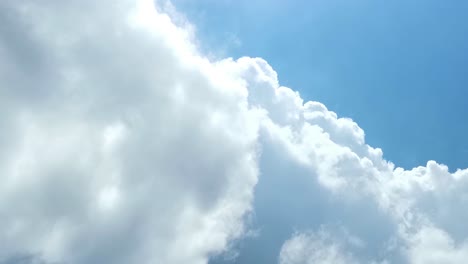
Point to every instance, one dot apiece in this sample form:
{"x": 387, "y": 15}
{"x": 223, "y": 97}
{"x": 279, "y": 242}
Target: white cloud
{"x": 311, "y": 248}
{"x": 333, "y": 150}
{"x": 432, "y": 245}
{"x": 121, "y": 143}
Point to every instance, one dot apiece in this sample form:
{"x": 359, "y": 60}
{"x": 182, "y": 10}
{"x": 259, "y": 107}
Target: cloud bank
{"x": 121, "y": 143}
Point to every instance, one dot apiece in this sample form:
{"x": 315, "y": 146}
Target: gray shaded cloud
{"x": 113, "y": 132}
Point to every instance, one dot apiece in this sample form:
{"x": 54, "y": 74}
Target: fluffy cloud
{"x": 121, "y": 143}
{"x": 425, "y": 206}
{"x": 433, "y": 245}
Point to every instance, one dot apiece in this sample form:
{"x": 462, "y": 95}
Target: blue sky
{"x": 398, "y": 68}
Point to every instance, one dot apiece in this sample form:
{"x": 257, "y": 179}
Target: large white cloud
{"x": 121, "y": 143}
{"x": 424, "y": 204}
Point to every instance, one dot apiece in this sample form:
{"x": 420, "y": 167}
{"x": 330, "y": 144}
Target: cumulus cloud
{"x": 421, "y": 205}
{"x": 121, "y": 143}
{"x": 433, "y": 245}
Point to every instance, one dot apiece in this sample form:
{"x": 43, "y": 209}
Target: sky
{"x": 398, "y": 68}
{"x": 141, "y": 131}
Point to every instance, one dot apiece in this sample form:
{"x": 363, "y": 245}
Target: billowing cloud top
{"x": 121, "y": 143}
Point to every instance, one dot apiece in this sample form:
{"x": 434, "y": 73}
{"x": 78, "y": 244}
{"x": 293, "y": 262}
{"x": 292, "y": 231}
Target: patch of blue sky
{"x": 398, "y": 68}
